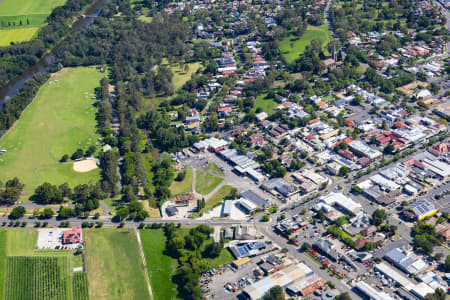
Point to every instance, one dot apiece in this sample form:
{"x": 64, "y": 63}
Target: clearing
{"x": 184, "y": 186}
{"x": 160, "y": 267}
{"x": 17, "y": 35}
{"x": 60, "y": 120}
{"x": 205, "y": 183}
{"x": 291, "y": 47}
{"x": 115, "y": 269}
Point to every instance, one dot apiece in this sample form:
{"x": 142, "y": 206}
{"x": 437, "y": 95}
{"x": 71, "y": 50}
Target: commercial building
{"x": 370, "y": 292}
{"x": 280, "y": 186}
{"x": 361, "y": 149}
{"x": 327, "y": 248}
{"x": 247, "y": 206}
{"x": 259, "y": 201}
{"x": 212, "y": 144}
{"x": 247, "y": 249}
{"x": 72, "y": 236}
{"x": 422, "y": 209}
{"x": 342, "y": 202}
{"x": 405, "y": 262}
{"x": 226, "y": 209}
{"x": 282, "y": 278}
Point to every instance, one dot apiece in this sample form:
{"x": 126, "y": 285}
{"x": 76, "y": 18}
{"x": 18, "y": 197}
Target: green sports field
{"x": 291, "y": 47}
{"x": 60, "y": 120}
{"x": 17, "y": 35}
{"x": 26, "y": 7}
{"x": 115, "y": 269}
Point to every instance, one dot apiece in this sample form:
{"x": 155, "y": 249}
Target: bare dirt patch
{"x": 86, "y": 165}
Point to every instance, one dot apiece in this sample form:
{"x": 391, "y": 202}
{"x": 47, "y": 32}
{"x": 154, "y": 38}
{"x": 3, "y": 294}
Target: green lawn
{"x": 205, "y": 183}
{"x": 2, "y": 262}
{"x": 25, "y": 7}
{"x": 291, "y": 47}
{"x": 115, "y": 269}
{"x": 17, "y": 35}
{"x": 160, "y": 267}
{"x": 182, "y": 187}
{"x": 21, "y": 242}
{"x": 266, "y": 104}
{"x": 145, "y": 19}
{"x": 214, "y": 168}
{"x": 60, "y": 120}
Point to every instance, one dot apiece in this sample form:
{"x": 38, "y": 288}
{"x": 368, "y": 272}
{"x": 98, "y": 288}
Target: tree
{"x": 64, "y": 158}
{"x": 438, "y": 294}
{"x": 47, "y": 213}
{"x": 275, "y": 293}
{"x": 17, "y": 212}
{"x": 389, "y": 149}
{"x": 343, "y": 296}
{"x": 213, "y": 250}
{"x": 122, "y": 213}
{"x": 447, "y": 263}
{"x": 379, "y": 216}
{"x": 77, "y": 154}
{"x": 343, "y": 171}
{"x": 265, "y": 218}
{"x": 305, "y": 246}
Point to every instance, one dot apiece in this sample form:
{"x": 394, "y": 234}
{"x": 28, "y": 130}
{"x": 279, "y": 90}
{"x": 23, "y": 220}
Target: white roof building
{"x": 342, "y": 201}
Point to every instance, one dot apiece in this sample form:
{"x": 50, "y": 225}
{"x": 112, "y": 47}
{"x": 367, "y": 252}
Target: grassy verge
{"x": 115, "y": 269}
{"x": 181, "y": 187}
{"x": 206, "y": 183}
{"x": 160, "y": 267}
{"x": 291, "y": 47}
{"x": 60, "y": 120}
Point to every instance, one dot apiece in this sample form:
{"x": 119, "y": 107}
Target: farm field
{"x": 291, "y": 47}
{"x": 160, "y": 267}
{"x": 40, "y": 278}
{"x": 115, "y": 269}
{"x": 17, "y": 35}
{"x": 80, "y": 286}
{"x": 26, "y": 7}
{"x": 63, "y": 109}
{"x": 2, "y": 262}
{"x": 206, "y": 183}
{"x": 181, "y": 187}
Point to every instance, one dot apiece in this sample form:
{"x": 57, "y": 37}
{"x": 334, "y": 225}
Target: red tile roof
{"x": 72, "y": 236}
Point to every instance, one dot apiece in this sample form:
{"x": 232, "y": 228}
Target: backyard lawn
{"x": 160, "y": 267}
{"x": 60, "y": 120}
{"x": 182, "y": 187}
{"x": 291, "y": 47}
{"x": 205, "y": 183}
{"x": 115, "y": 269}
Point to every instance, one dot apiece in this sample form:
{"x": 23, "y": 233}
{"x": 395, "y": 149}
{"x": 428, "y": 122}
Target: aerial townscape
{"x": 213, "y": 149}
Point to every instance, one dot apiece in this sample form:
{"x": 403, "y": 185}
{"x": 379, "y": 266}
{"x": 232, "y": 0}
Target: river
{"x": 46, "y": 62}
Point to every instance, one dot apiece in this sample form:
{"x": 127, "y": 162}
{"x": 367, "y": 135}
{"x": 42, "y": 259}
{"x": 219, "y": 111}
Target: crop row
{"x": 80, "y": 286}
{"x": 36, "y": 278}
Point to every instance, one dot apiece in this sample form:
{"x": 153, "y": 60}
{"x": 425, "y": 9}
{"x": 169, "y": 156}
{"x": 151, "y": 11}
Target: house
{"x": 72, "y": 236}
{"x": 281, "y": 187}
{"x": 369, "y": 230}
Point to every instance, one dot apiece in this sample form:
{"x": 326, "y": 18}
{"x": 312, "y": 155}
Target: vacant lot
{"x": 205, "y": 183}
{"x": 60, "y": 120}
{"x": 181, "y": 187}
{"x": 17, "y": 35}
{"x": 26, "y": 7}
{"x": 265, "y": 104}
{"x": 291, "y": 47}
{"x": 214, "y": 168}
{"x": 160, "y": 267}
{"x": 115, "y": 269}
